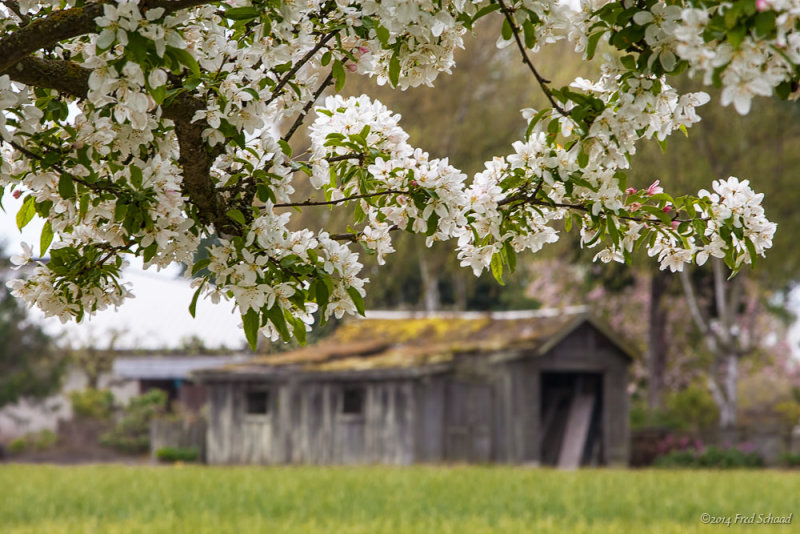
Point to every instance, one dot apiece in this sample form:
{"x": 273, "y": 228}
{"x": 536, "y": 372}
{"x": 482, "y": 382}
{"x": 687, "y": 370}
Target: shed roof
{"x": 168, "y": 367}
{"x": 385, "y": 342}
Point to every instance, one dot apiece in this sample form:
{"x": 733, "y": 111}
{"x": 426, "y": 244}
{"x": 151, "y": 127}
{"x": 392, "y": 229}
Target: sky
{"x": 157, "y": 318}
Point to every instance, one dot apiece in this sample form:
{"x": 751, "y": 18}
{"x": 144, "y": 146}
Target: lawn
{"x": 194, "y": 499}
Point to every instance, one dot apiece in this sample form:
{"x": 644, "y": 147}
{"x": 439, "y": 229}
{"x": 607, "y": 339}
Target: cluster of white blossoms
{"x": 152, "y": 128}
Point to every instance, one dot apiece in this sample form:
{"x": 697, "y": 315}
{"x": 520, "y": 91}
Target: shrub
{"x": 18, "y": 445}
{"x": 131, "y": 434}
{"x": 92, "y": 404}
{"x": 739, "y": 457}
{"x": 44, "y": 439}
{"x": 177, "y": 454}
{"x": 790, "y": 460}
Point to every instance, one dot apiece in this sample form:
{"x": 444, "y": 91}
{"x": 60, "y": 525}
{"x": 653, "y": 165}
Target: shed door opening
{"x": 571, "y": 419}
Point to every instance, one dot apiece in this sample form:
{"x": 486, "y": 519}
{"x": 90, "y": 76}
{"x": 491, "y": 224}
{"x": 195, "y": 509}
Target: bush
{"x": 689, "y": 409}
{"x": 40, "y": 441}
{"x": 790, "y": 460}
{"x": 742, "y": 456}
{"x": 131, "y": 434}
{"x": 44, "y": 439}
{"x": 18, "y": 445}
{"x": 92, "y": 404}
{"x": 177, "y": 454}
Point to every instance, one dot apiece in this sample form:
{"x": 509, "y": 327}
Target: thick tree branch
{"x": 62, "y": 24}
{"x": 195, "y": 157}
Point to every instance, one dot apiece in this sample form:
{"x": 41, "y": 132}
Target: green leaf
{"x": 322, "y": 294}
{"x": 530, "y": 33}
{"x": 275, "y": 315}
{"x": 159, "y": 94}
{"x": 184, "y": 58}
{"x": 507, "y": 31}
{"x": 26, "y": 212}
{"x": 591, "y": 45}
{"x": 394, "y": 70}
{"x": 242, "y": 13}
{"x": 357, "y": 299}
{"x": 237, "y": 216}
{"x": 482, "y": 12}
{"x": 199, "y": 265}
{"x": 382, "y": 34}
{"x": 66, "y": 187}
{"x": 193, "y": 305}
{"x": 751, "y": 249}
{"x": 338, "y": 74}
{"x": 497, "y": 268}
{"x": 511, "y": 256}
{"x": 251, "y": 324}
{"x": 136, "y": 177}
{"x": 46, "y": 237}
{"x": 299, "y": 329}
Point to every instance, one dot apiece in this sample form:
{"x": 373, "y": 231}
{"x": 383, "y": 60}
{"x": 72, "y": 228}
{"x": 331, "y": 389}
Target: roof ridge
{"x": 494, "y": 315}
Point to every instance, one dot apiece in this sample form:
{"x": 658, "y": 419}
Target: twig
{"x": 341, "y": 200}
{"x": 13, "y": 5}
{"x": 525, "y": 59}
{"x": 307, "y": 107}
{"x": 297, "y": 66}
{"x": 353, "y": 237}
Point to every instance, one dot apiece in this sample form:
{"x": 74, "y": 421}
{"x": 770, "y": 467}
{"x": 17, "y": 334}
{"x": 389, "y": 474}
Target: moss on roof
{"x": 386, "y": 343}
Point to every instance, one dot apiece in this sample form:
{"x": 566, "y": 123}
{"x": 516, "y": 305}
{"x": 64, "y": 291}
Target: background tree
{"x": 30, "y": 365}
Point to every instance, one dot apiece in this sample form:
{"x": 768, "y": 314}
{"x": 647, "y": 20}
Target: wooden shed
{"x": 518, "y": 387}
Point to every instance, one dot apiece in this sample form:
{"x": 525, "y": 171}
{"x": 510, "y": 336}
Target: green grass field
{"x": 194, "y": 499}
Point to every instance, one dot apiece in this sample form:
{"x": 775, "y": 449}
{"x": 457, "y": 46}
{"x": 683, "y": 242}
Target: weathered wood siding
{"x": 487, "y": 408}
{"x": 306, "y": 424}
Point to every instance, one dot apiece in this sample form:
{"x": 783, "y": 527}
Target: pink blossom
{"x": 762, "y": 5}
{"x": 667, "y": 208}
{"x": 654, "y": 189}
{"x": 674, "y": 225}
{"x": 17, "y": 193}
{"x": 352, "y": 67}
{"x": 634, "y": 206}
{"x": 630, "y": 191}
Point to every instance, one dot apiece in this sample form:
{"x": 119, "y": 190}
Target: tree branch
{"x": 195, "y": 156}
{"x": 325, "y": 83}
{"x": 341, "y": 200}
{"x": 297, "y": 66}
{"x": 13, "y": 5}
{"x": 62, "y": 24}
{"x": 353, "y": 237}
{"x": 509, "y": 15}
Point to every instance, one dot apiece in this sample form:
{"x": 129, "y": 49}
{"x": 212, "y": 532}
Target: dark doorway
{"x": 571, "y": 419}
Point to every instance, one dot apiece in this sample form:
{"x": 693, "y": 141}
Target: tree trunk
{"x": 658, "y": 343}
{"x": 430, "y": 285}
{"x": 727, "y": 412}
